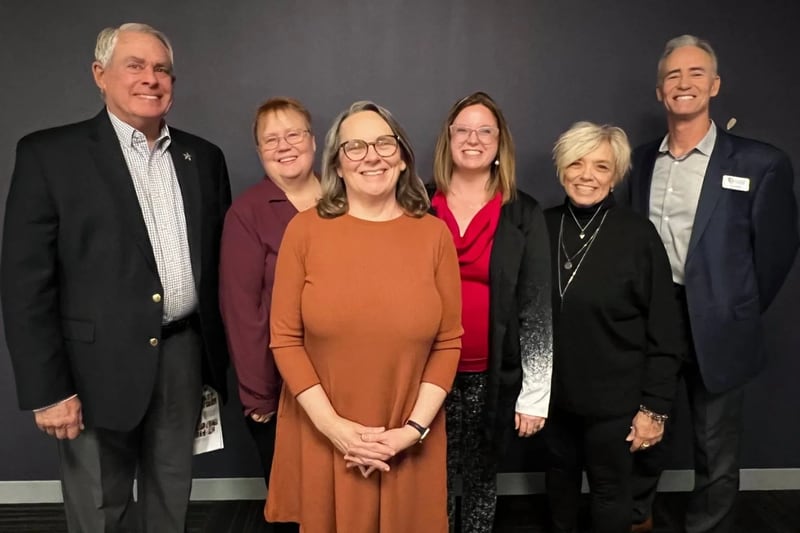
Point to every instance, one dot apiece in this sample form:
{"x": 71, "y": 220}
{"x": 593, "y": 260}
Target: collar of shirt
{"x": 130, "y": 137}
{"x": 272, "y": 192}
{"x": 705, "y": 146}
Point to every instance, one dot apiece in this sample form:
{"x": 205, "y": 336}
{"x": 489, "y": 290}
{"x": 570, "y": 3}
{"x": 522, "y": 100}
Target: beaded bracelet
{"x": 657, "y": 418}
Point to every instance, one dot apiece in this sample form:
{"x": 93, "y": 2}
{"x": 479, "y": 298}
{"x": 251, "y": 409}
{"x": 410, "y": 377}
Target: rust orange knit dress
{"x": 369, "y": 310}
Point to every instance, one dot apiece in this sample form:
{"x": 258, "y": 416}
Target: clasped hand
{"x": 369, "y": 448}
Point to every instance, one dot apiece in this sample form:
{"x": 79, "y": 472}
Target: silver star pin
{"x": 187, "y": 156}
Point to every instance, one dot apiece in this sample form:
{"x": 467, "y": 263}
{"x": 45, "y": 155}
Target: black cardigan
{"x": 520, "y": 329}
{"x": 617, "y": 338}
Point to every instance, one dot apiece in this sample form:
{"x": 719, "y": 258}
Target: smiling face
{"x": 688, "y": 82}
{"x": 137, "y": 81}
{"x": 588, "y": 180}
{"x": 374, "y": 177}
{"x": 285, "y": 162}
{"x": 476, "y": 150}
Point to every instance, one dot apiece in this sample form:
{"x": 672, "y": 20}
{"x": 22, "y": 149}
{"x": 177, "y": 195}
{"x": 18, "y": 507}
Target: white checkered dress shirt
{"x": 160, "y": 199}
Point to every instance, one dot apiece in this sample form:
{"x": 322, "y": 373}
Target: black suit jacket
{"x": 520, "y": 313}
{"x": 742, "y": 246}
{"x": 79, "y": 276}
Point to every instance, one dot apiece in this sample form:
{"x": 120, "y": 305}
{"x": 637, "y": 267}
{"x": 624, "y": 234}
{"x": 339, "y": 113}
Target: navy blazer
{"x": 79, "y": 277}
{"x": 742, "y": 247}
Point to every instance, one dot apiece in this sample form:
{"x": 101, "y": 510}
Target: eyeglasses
{"x": 291, "y": 137}
{"x": 485, "y": 134}
{"x": 357, "y": 149}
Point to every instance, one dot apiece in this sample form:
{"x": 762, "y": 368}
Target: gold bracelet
{"x": 657, "y": 418}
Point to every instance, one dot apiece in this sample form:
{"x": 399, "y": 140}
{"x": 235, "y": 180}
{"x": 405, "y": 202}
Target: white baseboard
{"x": 508, "y": 484}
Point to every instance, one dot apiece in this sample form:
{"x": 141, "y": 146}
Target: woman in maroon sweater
{"x": 503, "y": 380}
{"x": 251, "y": 236}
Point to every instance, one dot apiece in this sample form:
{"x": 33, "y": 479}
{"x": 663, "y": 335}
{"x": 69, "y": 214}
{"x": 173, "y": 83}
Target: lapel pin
{"x": 187, "y": 156}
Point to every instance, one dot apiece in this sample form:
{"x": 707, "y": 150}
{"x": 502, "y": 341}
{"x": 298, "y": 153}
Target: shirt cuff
{"x": 534, "y": 401}
{"x": 54, "y": 404}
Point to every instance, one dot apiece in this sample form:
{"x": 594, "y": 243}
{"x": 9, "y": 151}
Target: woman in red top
{"x": 503, "y": 379}
{"x": 252, "y": 233}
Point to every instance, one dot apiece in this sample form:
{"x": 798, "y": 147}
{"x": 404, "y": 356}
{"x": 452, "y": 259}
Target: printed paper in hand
{"x": 208, "y": 435}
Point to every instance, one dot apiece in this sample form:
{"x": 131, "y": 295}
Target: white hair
{"x": 107, "y": 41}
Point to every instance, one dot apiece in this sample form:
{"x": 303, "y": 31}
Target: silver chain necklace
{"x": 562, "y": 290}
{"x": 582, "y": 229}
{"x": 569, "y": 258}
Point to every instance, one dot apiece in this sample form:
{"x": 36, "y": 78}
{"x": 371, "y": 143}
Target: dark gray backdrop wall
{"x": 547, "y": 63}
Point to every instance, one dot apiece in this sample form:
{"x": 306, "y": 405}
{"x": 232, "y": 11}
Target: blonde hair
{"x": 280, "y": 103}
{"x": 585, "y": 137}
{"x": 410, "y": 191}
{"x": 502, "y": 175}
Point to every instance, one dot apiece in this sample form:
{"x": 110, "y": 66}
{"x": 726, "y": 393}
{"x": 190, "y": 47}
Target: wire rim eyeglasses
{"x": 292, "y": 137}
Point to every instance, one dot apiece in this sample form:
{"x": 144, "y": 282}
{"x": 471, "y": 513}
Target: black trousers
{"x": 98, "y": 468}
{"x": 575, "y": 442}
{"x": 264, "y": 437}
{"x": 716, "y": 420}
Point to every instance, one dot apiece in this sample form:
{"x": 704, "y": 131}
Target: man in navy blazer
{"x": 109, "y": 282}
{"x": 725, "y": 209}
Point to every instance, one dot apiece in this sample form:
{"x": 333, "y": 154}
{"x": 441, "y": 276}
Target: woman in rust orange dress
{"x": 366, "y": 332}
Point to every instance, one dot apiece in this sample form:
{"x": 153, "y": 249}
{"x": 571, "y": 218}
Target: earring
{"x": 496, "y": 162}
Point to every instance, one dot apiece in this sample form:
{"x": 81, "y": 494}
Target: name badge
{"x": 735, "y": 183}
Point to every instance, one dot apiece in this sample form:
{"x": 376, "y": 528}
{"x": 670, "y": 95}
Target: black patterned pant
{"x": 468, "y": 454}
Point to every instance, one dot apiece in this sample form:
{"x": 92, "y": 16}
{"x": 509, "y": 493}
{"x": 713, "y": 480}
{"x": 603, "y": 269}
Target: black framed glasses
{"x": 292, "y": 137}
{"x": 485, "y": 134}
{"x": 356, "y": 149}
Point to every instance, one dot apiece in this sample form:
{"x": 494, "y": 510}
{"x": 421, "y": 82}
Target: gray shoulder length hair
{"x": 410, "y": 191}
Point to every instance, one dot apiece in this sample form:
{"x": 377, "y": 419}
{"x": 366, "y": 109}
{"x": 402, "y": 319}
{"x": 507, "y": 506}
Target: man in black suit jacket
{"x": 109, "y": 282}
{"x": 724, "y": 207}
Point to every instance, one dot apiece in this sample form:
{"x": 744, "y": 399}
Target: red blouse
{"x": 474, "y": 251}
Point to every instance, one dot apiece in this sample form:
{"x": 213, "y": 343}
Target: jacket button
{"x": 153, "y": 342}
{"x": 156, "y": 298}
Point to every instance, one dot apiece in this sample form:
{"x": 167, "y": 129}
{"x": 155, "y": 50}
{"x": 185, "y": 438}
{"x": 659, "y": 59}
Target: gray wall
{"x": 548, "y": 63}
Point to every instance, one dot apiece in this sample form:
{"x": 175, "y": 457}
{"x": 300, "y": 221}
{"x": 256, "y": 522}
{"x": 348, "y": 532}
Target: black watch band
{"x": 423, "y": 431}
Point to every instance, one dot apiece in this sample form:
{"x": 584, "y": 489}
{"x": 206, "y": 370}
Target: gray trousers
{"x": 98, "y": 468}
{"x": 716, "y": 432}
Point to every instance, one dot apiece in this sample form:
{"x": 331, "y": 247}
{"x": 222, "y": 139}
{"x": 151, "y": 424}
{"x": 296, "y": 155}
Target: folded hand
{"x": 348, "y": 437}
{"x": 397, "y": 439}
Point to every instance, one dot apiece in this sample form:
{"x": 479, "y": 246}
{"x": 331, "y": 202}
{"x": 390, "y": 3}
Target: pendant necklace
{"x": 568, "y": 259}
{"x": 562, "y": 290}
{"x": 582, "y": 229}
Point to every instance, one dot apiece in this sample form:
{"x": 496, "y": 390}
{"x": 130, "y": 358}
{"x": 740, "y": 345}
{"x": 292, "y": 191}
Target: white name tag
{"x": 735, "y": 183}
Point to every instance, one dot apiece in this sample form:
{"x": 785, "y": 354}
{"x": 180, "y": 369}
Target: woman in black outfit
{"x": 616, "y": 338}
